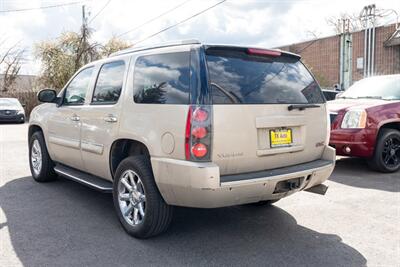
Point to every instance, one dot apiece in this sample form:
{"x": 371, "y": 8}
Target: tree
{"x": 10, "y": 65}
{"x": 62, "y": 57}
{"x": 113, "y": 45}
{"x": 345, "y": 23}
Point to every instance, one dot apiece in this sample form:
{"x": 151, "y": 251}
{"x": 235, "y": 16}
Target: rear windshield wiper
{"x": 231, "y": 95}
{"x": 302, "y": 106}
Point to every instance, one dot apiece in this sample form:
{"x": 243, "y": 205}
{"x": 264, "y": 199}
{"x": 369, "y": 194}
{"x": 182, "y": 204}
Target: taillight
{"x": 198, "y": 133}
{"x": 263, "y": 52}
{"x": 200, "y": 115}
{"x": 199, "y": 150}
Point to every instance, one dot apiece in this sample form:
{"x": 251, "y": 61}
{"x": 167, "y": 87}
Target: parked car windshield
{"x": 384, "y": 87}
{"x": 6, "y": 102}
{"x": 239, "y": 78}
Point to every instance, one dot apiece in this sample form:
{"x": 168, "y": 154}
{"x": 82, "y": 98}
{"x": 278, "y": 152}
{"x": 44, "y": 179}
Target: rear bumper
{"x": 353, "y": 142}
{"x": 191, "y": 184}
{"x": 12, "y": 118}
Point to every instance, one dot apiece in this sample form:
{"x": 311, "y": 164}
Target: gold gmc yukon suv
{"x": 185, "y": 124}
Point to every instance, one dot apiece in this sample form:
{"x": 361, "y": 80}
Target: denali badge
{"x": 230, "y": 155}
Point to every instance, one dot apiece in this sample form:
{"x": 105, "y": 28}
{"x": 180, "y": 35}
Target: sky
{"x": 261, "y": 23}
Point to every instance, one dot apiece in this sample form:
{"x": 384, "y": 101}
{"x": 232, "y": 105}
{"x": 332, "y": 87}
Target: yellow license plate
{"x": 280, "y": 137}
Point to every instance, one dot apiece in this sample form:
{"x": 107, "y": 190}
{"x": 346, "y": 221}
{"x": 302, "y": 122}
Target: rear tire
{"x": 140, "y": 207}
{"x": 40, "y": 163}
{"x": 387, "y": 152}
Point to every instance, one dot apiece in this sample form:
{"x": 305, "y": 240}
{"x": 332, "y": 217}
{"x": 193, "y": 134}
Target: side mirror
{"x": 47, "y": 96}
{"x": 23, "y": 105}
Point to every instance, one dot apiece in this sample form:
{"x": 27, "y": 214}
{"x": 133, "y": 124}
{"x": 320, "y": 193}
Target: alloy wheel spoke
{"x": 387, "y": 158}
{"x": 135, "y": 216}
{"x": 128, "y": 210}
{"x": 126, "y": 184}
{"x": 132, "y": 180}
{"x": 141, "y": 209}
{"x": 124, "y": 197}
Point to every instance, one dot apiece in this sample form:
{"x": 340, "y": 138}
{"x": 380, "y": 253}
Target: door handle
{"x": 110, "y": 118}
{"x": 75, "y": 118}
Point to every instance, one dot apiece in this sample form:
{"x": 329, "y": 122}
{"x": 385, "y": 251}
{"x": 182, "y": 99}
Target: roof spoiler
{"x": 255, "y": 50}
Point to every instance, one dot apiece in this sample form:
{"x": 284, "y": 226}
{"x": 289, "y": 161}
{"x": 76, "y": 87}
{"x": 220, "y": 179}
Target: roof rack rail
{"x": 165, "y": 44}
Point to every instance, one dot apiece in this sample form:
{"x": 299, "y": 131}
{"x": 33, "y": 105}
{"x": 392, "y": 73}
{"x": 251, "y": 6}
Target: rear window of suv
{"x": 162, "y": 78}
{"x": 237, "y": 77}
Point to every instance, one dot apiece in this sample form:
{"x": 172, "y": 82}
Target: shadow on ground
{"x": 355, "y": 172}
{"x": 63, "y": 223}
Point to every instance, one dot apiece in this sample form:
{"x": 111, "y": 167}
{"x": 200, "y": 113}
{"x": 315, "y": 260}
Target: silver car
{"x": 11, "y": 110}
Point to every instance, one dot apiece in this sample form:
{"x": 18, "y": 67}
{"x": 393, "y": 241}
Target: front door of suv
{"x": 100, "y": 119}
{"x": 64, "y": 124}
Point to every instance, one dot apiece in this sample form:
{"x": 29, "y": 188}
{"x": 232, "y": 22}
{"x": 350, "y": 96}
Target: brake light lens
{"x": 263, "y": 52}
{"x": 198, "y": 133}
{"x": 200, "y": 115}
{"x": 199, "y": 150}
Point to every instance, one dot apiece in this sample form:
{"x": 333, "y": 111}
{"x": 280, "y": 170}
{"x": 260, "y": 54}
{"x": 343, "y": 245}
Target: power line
{"x": 101, "y": 10}
{"x": 153, "y": 19}
{"x": 42, "y": 7}
{"x": 180, "y": 22}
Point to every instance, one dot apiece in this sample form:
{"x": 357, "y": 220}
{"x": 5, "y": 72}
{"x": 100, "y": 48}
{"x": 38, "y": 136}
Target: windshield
{"x": 239, "y": 78}
{"x": 8, "y": 102}
{"x": 386, "y": 88}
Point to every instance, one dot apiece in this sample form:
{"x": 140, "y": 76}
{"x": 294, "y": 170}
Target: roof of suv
{"x": 182, "y": 42}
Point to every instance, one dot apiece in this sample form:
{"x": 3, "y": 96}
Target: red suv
{"x": 365, "y": 122}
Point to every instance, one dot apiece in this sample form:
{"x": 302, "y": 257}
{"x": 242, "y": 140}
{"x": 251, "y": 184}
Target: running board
{"x": 89, "y": 180}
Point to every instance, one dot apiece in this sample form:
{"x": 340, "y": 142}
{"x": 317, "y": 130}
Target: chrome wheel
{"x": 36, "y": 157}
{"x": 131, "y": 197}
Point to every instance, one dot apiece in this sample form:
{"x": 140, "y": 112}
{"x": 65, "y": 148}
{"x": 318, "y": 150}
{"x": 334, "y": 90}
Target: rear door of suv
{"x": 268, "y": 110}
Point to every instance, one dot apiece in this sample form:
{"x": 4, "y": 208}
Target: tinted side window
{"x": 162, "y": 79}
{"x": 76, "y": 91}
{"x": 109, "y": 83}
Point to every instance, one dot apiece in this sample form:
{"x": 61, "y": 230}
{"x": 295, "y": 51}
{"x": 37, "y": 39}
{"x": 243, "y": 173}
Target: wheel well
{"x": 124, "y": 148}
{"x": 33, "y": 129}
{"x": 392, "y": 125}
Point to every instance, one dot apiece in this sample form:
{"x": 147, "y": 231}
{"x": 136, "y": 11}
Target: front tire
{"x": 387, "y": 152}
{"x": 40, "y": 163}
{"x": 139, "y": 205}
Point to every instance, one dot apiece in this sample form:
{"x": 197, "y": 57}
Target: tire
{"x": 42, "y": 167}
{"x": 145, "y": 216}
{"x": 387, "y": 152}
{"x": 263, "y": 203}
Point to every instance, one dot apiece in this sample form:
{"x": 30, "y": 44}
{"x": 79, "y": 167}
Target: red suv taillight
{"x": 198, "y": 133}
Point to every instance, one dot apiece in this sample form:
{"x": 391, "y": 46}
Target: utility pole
{"x": 346, "y": 57}
{"x": 368, "y": 15}
{"x": 84, "y": 31}
{"x": 82, "y": 55}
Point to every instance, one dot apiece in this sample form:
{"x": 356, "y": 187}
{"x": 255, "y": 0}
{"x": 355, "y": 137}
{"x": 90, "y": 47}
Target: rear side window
{"x": 109, "y": 83}
{"x": 239, "y": 78}
{"x": 162, "y": 79}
